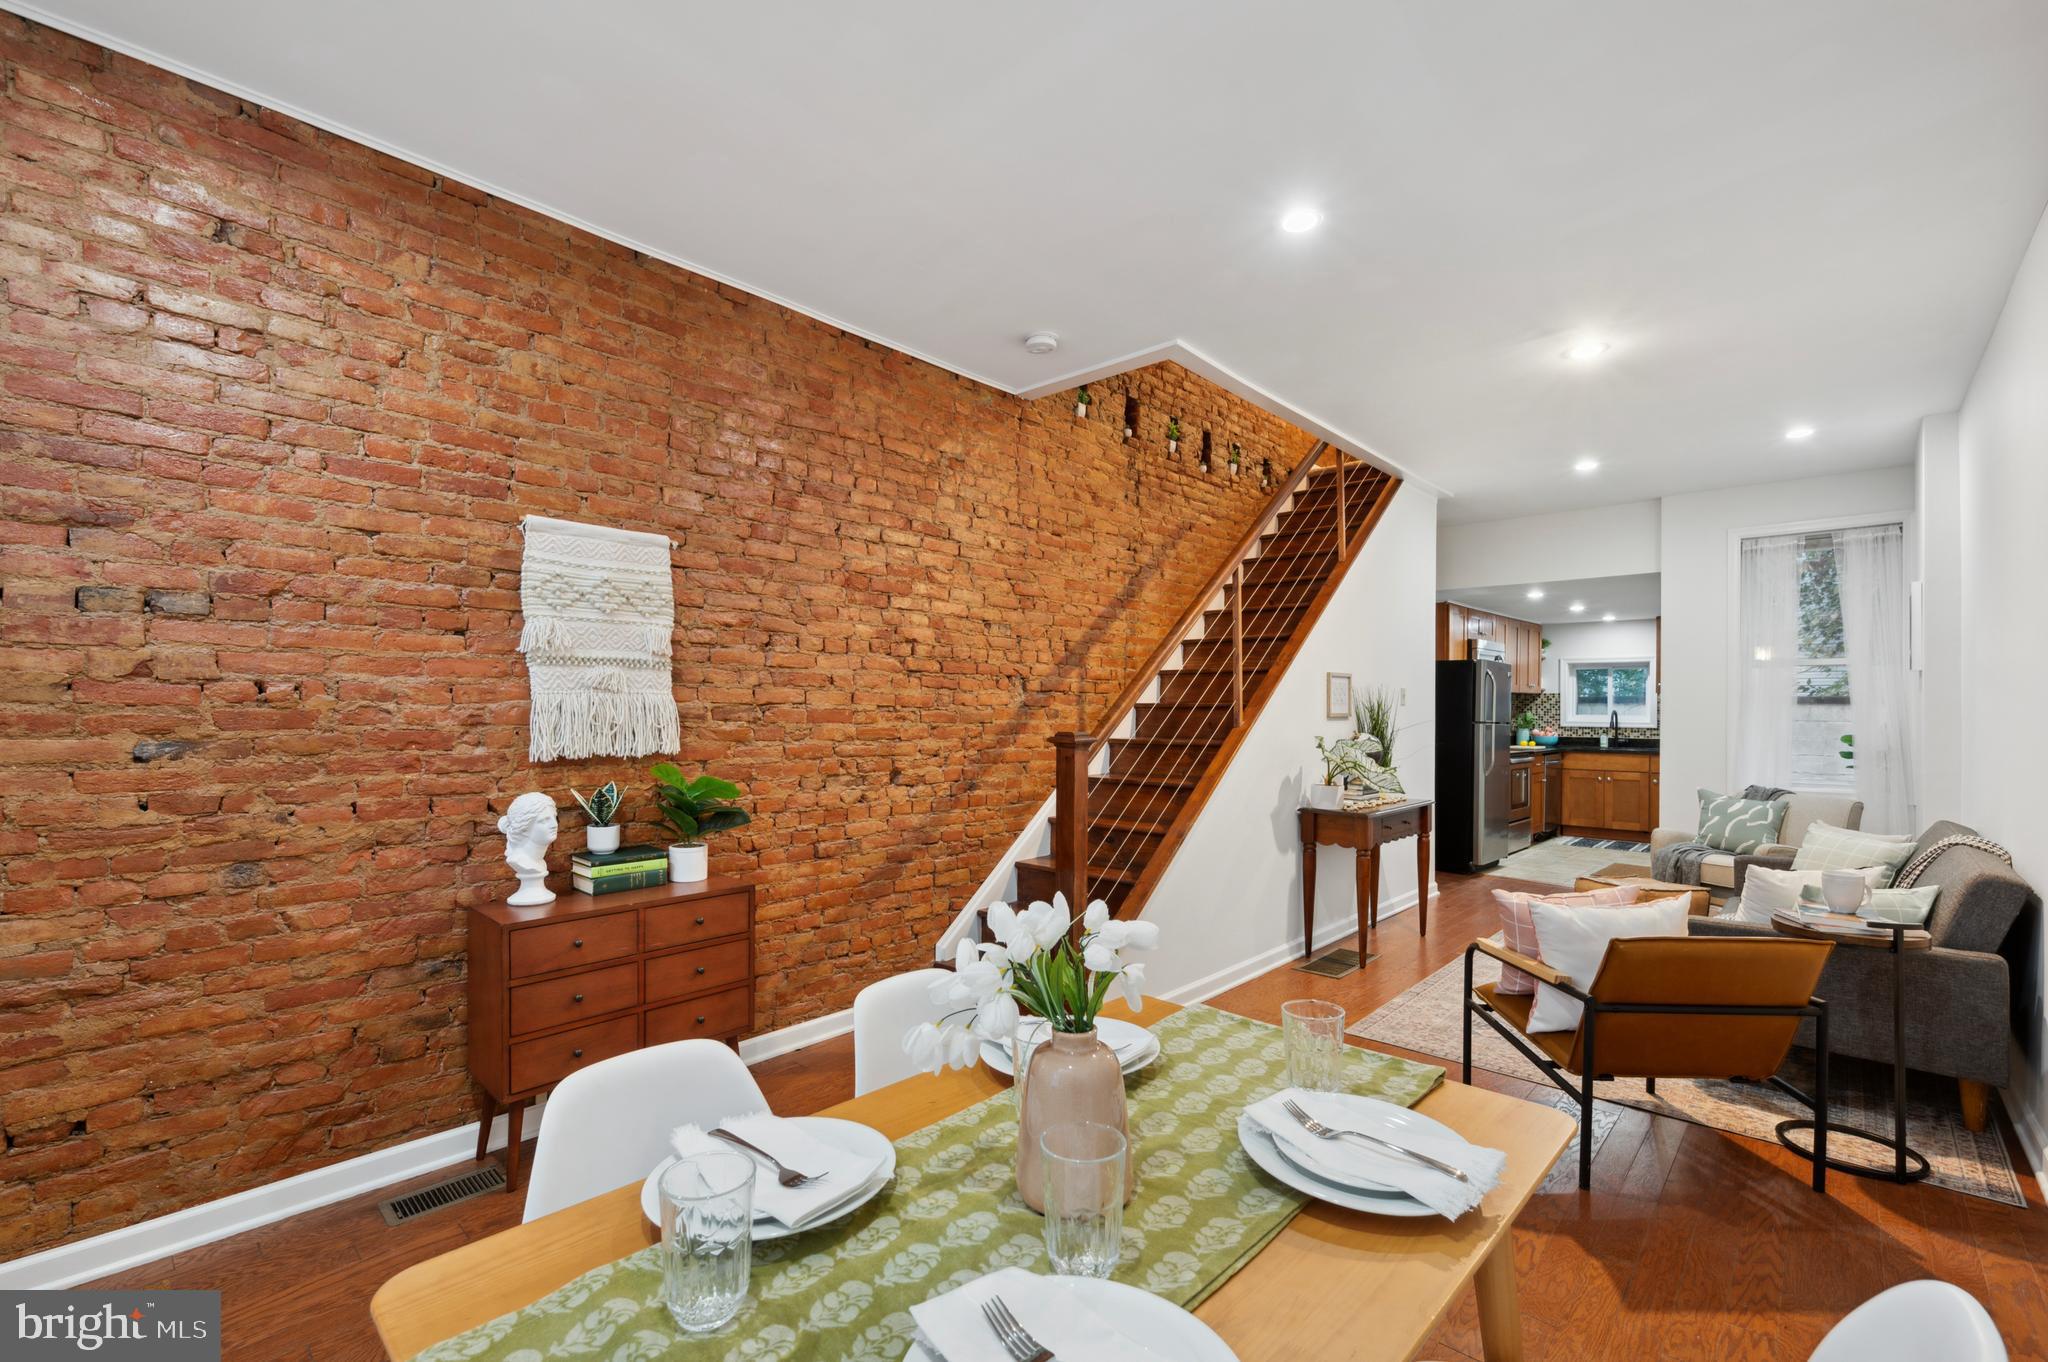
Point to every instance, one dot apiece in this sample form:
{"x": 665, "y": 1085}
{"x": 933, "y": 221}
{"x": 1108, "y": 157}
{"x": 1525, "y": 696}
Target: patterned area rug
{"x": 1561, "y": 860}
{"x": 1429, "y": 1017}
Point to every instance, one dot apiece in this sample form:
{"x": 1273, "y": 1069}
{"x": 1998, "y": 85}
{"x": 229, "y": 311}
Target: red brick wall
{"x": 271, "y": 406}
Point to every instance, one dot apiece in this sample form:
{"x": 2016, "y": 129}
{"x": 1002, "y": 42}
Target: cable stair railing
{"x": 1126, "y": 795}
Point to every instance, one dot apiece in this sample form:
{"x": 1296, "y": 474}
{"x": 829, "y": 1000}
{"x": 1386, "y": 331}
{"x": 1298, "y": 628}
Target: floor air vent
{"x": 412, "y": 1205}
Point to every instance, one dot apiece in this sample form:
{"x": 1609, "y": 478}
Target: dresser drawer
{"x": 556, "y": 1002}
{"x": 1405, "y": 825}
{"x": 545, "y": 1059}
{"x": 698, "y": 971}
{"x": 720, "y": 1014}
{"x": 680, "y": 924}
{"x": 565, "y": 945}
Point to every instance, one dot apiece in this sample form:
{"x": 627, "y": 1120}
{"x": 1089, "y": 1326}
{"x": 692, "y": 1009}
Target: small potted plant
{"x": 1265, "y": 475}
{"x": 1342, "y": 760}
{"x": 695, "y": 807}
{"x": 1236, "y": 459}
{"x": 1524, "y": 723}
{"x": 1081, "y": 402}
{"x": 1173, "y": 435}
{"x": 602, "y": 809}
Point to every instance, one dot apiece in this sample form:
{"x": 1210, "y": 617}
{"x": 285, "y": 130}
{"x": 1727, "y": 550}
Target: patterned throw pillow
{"x": 1827, "y": 847}
{"x": 1518, "y": 926}
{"x": 1739, "y": 826}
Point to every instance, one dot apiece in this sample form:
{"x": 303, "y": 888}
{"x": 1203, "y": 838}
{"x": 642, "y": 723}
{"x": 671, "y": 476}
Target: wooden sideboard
{"x": 560, "y": 985}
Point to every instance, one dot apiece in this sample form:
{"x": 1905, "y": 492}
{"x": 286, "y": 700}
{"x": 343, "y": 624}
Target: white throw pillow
{"x": 1575, "y": 941}
{"x": 1827, "y": 847}
{"x": 1766, "y": 891}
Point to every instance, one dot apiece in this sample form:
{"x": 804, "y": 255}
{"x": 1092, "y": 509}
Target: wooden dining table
{"x": 1335, "y": 1284}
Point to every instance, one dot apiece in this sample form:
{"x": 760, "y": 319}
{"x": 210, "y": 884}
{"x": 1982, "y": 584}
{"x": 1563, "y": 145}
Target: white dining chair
{"x": 608, "y": 1125}
{"x": 883, "y": 1014}
{"x": 1924, "y": 1321}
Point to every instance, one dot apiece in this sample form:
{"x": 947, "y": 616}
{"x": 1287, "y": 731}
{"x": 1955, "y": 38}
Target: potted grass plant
{"x": 1082, "y": 402}
{"x": 601, "y": 834}
{"x": 1173, "y": 435}
{"x": 695, "y": 807}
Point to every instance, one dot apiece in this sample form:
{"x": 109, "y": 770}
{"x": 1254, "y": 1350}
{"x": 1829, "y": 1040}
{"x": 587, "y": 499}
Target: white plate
{"x": 1113, "y": 1034}
{"x": 1266, "y": 1152}
{"x": 1166, "y": 1328}
{"x": 851, "y": 1136}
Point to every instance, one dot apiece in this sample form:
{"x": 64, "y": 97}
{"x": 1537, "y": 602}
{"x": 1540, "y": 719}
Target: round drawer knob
{"x": 700, "y": 969}
{"x": 577, "y": 999}
{"x": 700, "y": 1021}
{"x": 576, "y": 1054}
{"x": 700, "y": 922}
{"x": 577, "y": 943}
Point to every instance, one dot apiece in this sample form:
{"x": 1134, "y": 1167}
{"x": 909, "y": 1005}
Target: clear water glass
{"x": 1314, "y": 1035}
{"x": 1084, "y": 1198}
{"x": 1027, "y": 1040}
{"x": 707, "y": 1238}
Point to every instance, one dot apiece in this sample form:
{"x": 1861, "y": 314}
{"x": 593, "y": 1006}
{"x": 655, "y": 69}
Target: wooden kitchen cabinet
{"x": 1458, "y": 627}
{"x": 1609, "y": 794}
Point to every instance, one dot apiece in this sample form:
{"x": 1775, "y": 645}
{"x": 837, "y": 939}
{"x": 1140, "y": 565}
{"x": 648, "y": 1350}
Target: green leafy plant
{"x": 1849, "y": 748}
{"x": 697, "y": 806}
{"x": 1526, "y": 719}
{"x": 1081, "y": 397}
{"x": 1173, "y": 429}
{"x": 602, "y": 806}
{"x": 1236, "y": 456}
{"x": 1343, "y": 759}
{"x": 1377, "y": 715}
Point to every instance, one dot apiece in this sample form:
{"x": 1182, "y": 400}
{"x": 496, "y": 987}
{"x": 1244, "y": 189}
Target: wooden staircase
{"x": 1163, "y": 745}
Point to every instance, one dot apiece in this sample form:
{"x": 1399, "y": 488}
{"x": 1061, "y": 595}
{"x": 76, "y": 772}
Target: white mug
{"x": 1844, "y": 890}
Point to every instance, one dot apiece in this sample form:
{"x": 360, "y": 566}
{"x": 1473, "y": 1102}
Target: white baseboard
{"x": 145, "y": 1242}
{"x": 2033, "y": 1139}
{"x": 1232, "y": 975}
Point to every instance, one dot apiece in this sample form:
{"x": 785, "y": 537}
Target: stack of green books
{"x": 609, "y": 872}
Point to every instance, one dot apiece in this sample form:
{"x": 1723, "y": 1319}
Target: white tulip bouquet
{"x": 1033, "y": 963}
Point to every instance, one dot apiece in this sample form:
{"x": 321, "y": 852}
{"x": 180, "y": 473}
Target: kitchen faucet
{"x": 1614, "y": 725}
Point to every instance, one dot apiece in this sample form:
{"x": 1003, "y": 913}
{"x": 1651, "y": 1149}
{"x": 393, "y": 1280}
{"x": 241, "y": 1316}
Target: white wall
{"x": 1605, "y": 541}
{"x": 1698, "y": 571}
{"x": 1938, "y": 496}
{"x": 2002, "y": 465}
{"x": 1230, "y": 904}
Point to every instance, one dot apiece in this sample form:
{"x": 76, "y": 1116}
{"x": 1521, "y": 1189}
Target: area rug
{"x": 1428, "y": 1019}
{"x": 1562, "y": 860}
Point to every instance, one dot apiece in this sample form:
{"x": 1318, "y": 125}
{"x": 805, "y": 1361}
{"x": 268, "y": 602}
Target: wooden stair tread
{"x": 1096, "y": 873}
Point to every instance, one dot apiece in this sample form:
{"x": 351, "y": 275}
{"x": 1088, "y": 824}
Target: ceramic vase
{"x": 601, "y": 840}
{"x": 1066, "y": 1077}
{"x": 1326, "y": 796}
{"x": 688, "y": 864}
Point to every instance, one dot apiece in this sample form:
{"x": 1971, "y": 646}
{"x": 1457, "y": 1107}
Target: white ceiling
{"x": 1637, "y": 596}
{"x": 1776, "y": 212}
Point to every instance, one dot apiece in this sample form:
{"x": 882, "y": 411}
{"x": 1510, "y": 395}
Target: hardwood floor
{"x": 1692, "y": 1243}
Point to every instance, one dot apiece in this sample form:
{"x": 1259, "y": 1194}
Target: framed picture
{"x": 1336, "y": 695}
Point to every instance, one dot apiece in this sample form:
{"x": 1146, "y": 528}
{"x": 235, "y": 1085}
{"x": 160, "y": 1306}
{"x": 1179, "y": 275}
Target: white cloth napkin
{"x": 844, "y": 1172}
{"x": 1049, "y": 1308}
{"x": 1352, "y": 1162}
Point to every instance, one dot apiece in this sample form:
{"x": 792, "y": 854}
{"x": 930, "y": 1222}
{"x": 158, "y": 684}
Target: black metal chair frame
{"x": 1582, "y": 1093}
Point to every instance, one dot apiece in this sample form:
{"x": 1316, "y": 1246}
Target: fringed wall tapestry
{"x": 600, "y": 607}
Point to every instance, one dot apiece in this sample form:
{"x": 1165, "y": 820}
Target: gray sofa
{"x": 1958, "y": 992}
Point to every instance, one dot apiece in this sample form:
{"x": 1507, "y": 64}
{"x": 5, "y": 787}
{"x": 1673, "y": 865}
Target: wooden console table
{"x": 1365, "y": 832}
{"x": 560, "y": 985}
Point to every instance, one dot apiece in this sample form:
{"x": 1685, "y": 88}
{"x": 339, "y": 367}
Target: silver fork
{"x": 788, "y": 1177}
{"x": 1016, "y": 1342}
{"x": 1323, "y": 1132}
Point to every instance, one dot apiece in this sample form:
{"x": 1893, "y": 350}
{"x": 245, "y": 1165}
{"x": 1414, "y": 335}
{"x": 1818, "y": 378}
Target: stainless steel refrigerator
{"x": 1474, "y": 727}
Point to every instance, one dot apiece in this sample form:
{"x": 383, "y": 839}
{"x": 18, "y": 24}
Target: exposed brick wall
{"x": 271, "y": 406}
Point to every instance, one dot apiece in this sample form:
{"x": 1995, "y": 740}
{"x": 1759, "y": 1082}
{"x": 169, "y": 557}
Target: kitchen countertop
{"x": 1642, "y": 746}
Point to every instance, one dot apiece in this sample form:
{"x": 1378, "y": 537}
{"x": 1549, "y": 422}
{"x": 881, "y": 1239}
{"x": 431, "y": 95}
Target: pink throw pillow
{"x": 1518, "y": 925}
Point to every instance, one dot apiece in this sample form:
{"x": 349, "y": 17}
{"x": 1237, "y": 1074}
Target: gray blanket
{"x": 1679, "y": 863}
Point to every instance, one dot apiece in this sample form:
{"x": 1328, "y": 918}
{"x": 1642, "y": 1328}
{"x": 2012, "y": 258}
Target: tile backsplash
{"x": 1549, "y": 708}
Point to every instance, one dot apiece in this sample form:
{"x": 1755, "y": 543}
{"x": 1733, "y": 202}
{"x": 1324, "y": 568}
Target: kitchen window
{"x": 1593, "y": 691}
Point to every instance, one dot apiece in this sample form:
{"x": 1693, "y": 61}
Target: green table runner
{"x": 952, "y": 1214}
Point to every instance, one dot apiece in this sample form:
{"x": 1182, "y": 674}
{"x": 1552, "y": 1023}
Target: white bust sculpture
{"x": 529, "y": 826}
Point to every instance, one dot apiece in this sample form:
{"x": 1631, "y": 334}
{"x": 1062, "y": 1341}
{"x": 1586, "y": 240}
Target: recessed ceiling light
{"x": 1586, "y": 465}
{"x": 1796, "y": 433}
{"x": 1586, "y": 351}
{"x": 1578, "y": 607}
{"x": 1041, "y": 343}
{"x": 1535, "y": 593}
{"x": 1607, "y": 619}
{"x": 1301, "y": 219}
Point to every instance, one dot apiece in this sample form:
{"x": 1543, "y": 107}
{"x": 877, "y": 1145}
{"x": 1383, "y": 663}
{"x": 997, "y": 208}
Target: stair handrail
{"x": 1111, "y": 719}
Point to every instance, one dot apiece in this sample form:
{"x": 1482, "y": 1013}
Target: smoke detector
{"x": 1041, "y": 343}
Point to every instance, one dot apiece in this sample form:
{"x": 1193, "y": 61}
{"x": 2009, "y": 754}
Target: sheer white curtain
{"x": 1871, "y": 567}
{"x": 1769, "y": 632}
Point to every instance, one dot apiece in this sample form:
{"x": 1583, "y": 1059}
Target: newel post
{"x": 1070, "y": 817}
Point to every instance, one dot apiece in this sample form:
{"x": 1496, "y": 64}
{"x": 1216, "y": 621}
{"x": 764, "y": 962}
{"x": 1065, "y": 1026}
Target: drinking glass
{"x": 1314, "y": 1035}
{"x": 1084, "y": 1198}
{"x": 707, "y": 1238}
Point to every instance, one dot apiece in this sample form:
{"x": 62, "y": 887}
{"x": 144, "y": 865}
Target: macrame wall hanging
{"x": 600, "y": 607}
